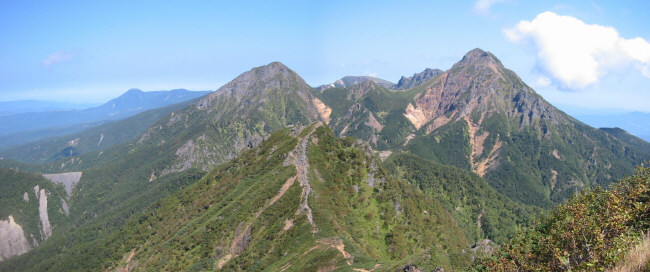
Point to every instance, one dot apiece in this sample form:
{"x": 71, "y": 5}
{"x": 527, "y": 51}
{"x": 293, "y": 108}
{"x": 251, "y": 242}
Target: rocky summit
{"x": 416, "y": 79}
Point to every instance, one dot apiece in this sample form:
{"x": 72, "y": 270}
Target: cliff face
{"x": 12, "y": 238}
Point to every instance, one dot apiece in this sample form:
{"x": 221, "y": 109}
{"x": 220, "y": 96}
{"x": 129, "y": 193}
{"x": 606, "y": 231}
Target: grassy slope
{"x": 391, "y": 224}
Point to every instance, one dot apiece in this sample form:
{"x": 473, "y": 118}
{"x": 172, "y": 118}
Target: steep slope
{"x": 522, "y": 145}
{"x": 301, "y": 201}
{"x": 130, "y": 103}
{"x": 89, "y": 140}
{"x": 370, "y": 112}
{"x": 31, "y": 207}
{"x": 352, "y": 80}
{"x": 480, "y": 116}
{"x": 416, "y": 79}
{"x": 123, "y": 180}
{"x": 238, "y": 115}
{"x": 76, "y": 243}
{"x": 637, "y": 143}
{"x": 481, "y": 211}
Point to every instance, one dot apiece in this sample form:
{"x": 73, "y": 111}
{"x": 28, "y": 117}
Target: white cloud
{"x": 483, "y": 6}
{"x": 371, "y": 74}
{"x": 577, "y": 54}
{"x": 542, "y": 82}
{"x": 57, "y": 57}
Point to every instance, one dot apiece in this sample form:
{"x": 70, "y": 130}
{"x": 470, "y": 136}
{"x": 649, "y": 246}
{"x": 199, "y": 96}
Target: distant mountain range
{"x": 24, "y": 127}
{"x": 404, "y": 83}
{"x": 636, "y": 123}
{"x": 352, "y": 80}
{"x": 263, "y": 174}
{"x": 24, "y": 106}
{"x": 91, "y": 139}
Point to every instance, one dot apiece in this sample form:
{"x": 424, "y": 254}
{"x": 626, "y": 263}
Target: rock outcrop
{"x": 13, "y": 239}
{"x": 46, "y": 228}
{"x": 478, "y": 84}
{"x": 68, "y": 180}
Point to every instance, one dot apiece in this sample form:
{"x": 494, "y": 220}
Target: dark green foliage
{"x": 592, "y": 231}
{"x": 448, "y": 144}
{"x": 389, "y": 224}
{"x": 87, "y": 237}
{"x": 545, "y": 164}
{"x": 392, "y": 204}
{"x": 466, "y": 196}
{"x": 635, "y": 142}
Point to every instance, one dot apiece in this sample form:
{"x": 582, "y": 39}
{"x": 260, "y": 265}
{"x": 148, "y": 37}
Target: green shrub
{"x": 590, "y": 232}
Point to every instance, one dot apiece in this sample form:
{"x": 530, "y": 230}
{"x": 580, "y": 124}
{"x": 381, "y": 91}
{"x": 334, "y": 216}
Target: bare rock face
{"x": 324, "y": 111}
{"x": 69, "y": 180}
{"x": 65, "y": 207}
{"x": 484, "y": 247}
{"x": 479, "y": 82}
{"x": 42, "y": 213}
{"x": 13, "y": 239}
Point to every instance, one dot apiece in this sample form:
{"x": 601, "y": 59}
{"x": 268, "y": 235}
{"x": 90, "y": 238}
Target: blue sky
{"x": 582, "y": 56}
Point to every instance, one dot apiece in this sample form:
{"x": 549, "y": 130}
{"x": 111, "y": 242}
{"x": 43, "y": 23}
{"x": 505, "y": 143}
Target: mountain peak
{"x": 273, "y": 76}
{"x": 133, "y": 91}
{"x": 478, "y": 56}
{"x": 348, "y": 81}
{"x": 274, "y": 68}
{"x": 417, "y": 79}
